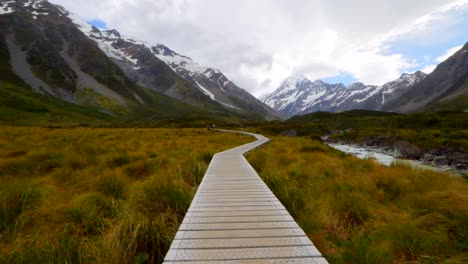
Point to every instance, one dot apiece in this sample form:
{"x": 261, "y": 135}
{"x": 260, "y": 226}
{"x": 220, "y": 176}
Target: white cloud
{"x": 431, "y": 67}
{"x": 259, "y": 43}
{"x": 421, "y": 26}
{"x": 448, "y": 53}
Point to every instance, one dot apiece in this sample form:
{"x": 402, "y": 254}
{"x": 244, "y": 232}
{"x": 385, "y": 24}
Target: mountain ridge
{"x": 53, "y": 55}
{"x": 299, "y": 95}
{"x": 446, "y": 84}
{"x": 135, "y": 58}
{"x": 446, "y": 88}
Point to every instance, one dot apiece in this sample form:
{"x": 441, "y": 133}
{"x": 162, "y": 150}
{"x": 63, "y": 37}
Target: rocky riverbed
{"x": 381, "y": 147}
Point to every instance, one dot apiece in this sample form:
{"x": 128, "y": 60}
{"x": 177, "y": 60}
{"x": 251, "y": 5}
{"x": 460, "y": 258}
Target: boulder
{"x": 458, "y": 156}
{"x": 428, "y": 157}
{"x": 289, "y": 133}
{"x": 380, "y": 141}
{"x": 334, "y": 132}
{"x": 406, "y": 150}
{"x": 435, "y": 152}
{"x": 440, "y": 161}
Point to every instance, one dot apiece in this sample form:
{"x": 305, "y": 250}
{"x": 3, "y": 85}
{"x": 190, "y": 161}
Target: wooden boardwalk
{"x": 235, "y": 218}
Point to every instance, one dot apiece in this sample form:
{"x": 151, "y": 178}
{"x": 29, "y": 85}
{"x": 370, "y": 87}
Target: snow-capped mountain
{"x": 298, "y": 95}
{"x": 53, "y": 57}
{"x": 140, "y": 61}
{"x": 57, "y": 53}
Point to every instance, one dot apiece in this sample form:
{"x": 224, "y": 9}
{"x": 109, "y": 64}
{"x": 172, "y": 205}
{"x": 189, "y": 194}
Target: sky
{"x": 258, "y": 44}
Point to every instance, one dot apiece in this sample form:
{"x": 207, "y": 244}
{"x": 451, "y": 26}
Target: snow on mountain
{"x": 298, "y": 95}
{"x": 104, "y": 39}
{"x": 123, "y": 49}
{"x": 6, "y": 7}
{"x": 139, "y": 59}
{"x": 35, "y": 7}
{"x": 206, "y": 91}
{"x": 443, "y": 89}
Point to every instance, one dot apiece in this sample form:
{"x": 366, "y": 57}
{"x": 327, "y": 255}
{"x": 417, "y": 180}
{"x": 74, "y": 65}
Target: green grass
{"x": 321, "y": 123}
{"x": 357, "y": 211}
{"x": 365, "y": 119}
{"x": 19, "y": 105}
{"x": 456, "y": 139}
{"x": 440, "y": 130}
{"x": 459, "y": 103}
{"x": 22, "y": 106}
{"x": 92, "y": 99}
{"x": 97, "y": 195}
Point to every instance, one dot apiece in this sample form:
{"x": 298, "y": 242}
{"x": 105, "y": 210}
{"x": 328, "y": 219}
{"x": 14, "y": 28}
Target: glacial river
{"x": 382, "y": 158}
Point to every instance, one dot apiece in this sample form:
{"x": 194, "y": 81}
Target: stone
{"x": 434, "y": 152}
{"x": 289, "y": 133}
{"x": 440, "y": 161}
{"x": 458, "y": 156}
{"x": 461, "y": 167}
{"x": 428, "y": 157}
{"x": 406, "y": 150}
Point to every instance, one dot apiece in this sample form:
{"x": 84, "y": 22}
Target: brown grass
{"x": 357, "y": 211}
{"x": 84, "y": 195}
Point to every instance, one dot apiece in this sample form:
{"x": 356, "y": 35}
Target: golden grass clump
{"x": 97, "y": 195}
{"x": 357, "y": 211}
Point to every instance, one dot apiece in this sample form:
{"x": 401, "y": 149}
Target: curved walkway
{"x": 234, "y": 217}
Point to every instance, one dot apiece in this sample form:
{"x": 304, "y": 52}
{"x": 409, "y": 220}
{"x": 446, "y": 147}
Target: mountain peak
{"x": 296, "y": 96}
{"x": 293, "y": 79}
{"x": 355, "y": 85}
{"x": 112, "y": 33}
{"x": 412, "y": 77}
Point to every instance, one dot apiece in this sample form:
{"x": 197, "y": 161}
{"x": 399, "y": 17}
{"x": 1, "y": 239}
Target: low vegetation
{"x": 85, "y": 195}
{"x": 321, "y": 123}
{"x": 424, "y": 138}
{"x": 357, "y": 211}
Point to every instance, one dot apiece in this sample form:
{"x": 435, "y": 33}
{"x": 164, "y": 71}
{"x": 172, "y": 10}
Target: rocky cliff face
{"x": 58, "y": 54}
{"x": 447, "y": 83}
{"x": 51, "y": 55}
{"x": 151, "y": 65}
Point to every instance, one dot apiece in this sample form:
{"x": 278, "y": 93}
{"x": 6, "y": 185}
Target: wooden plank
{"x": 234, "y": 217}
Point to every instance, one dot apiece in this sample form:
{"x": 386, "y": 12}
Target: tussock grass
{"x": 357, "y": 211}
{"x": 15, "y": 198}
{"x": 111, "y": 185}
{"x": 140, "y": 169}
{"x": 118, "y": 159}
{"x": 89, "y": 195}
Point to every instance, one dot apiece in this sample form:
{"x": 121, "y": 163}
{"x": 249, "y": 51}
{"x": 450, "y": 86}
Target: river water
{"x": 382, "y": 158}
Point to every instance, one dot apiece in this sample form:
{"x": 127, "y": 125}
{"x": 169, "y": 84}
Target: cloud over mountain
{"x": 259, "y": 43}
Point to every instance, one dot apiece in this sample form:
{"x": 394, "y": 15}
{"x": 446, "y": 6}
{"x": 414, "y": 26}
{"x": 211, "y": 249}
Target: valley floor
{"x": 84, "y": 195}
{"x": 102, "y": 195}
